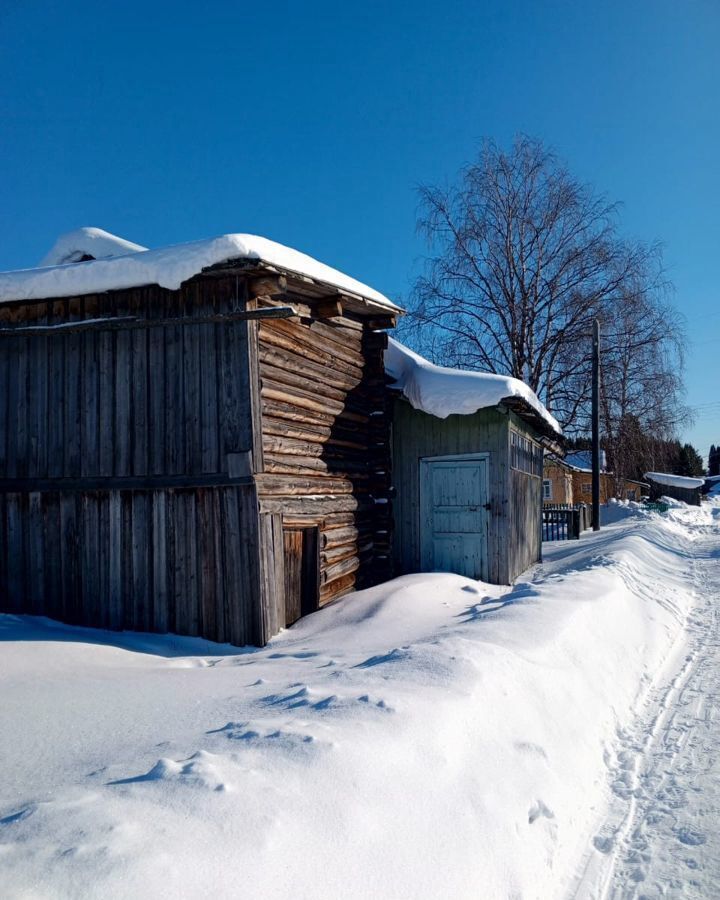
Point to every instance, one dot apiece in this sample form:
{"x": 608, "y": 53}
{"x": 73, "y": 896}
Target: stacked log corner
{"x": 326, "y": 445}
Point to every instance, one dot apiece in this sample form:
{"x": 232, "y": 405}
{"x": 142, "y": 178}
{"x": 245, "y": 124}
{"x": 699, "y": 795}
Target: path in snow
{"x": 663, "y": 836}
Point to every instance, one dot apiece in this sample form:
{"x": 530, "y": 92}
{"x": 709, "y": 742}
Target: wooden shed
{"x": 193, "y": 439}
{"x": 467, "y": 470}
{"x": 679, "y": 487}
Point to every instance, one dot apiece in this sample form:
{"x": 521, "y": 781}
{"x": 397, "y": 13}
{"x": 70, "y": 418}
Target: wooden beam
{"x": 117, "y": 483}
{"x": 122, "y": 323}
{"x": 267, "y": 286}
{"x": 329, "y": 308}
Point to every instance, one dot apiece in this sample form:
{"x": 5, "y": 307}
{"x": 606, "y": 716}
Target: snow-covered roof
{"x": 678, "y": 481}
{"x": 442, "y": 392}
{"x": 78, "y": 245}
{"x": 168, "y": 267}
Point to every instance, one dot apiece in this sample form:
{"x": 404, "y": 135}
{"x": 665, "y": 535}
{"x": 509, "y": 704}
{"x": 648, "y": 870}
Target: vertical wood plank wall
{"x": 142, "y": 404}
{"x": 525, "y": 533}
{"x": 416, "y": 435}
{"x": 325, "y": 450}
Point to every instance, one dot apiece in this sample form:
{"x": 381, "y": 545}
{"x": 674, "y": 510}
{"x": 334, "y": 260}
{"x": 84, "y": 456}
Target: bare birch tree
{"x": 523, "y": 257}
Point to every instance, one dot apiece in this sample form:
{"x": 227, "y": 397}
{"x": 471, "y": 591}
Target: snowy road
{"x": 663, "y": 835}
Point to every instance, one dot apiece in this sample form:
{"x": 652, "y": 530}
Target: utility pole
{"x": 596, "y": 425}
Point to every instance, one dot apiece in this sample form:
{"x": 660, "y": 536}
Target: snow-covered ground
{"x": 431, "y": 738}
{"x": 661, "y": 835}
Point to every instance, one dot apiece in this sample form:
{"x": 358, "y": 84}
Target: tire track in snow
{"x": 661, "y": 835}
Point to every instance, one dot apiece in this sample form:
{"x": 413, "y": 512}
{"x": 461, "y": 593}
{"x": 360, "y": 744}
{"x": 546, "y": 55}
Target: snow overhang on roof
{"x": 167, "y": 267}
{"x": 442, "y": 392}
{"x": 679, "y": 481}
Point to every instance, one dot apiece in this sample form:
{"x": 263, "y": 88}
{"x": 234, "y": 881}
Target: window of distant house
{"x": 586, "y": 488}
{"x": 547, "y": 489}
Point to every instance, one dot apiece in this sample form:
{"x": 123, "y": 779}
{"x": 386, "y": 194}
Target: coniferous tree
{"x": 714, "y": 460}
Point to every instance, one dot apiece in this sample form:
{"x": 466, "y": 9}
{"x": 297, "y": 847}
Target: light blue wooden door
{"x": 453, "y": 498}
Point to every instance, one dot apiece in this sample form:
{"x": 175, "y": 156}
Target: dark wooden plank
{"x": 156, "y": 394}
{"x": 208, "y": 625}
{"x": 89, "y": 406}
{"x": 36, "y": 555}
{"x": 123, "y": 425}
{"x": 94, "y": 603}
{"x": 12, "y": 385}
{"x": 192, "y": 421}
{"x": 53, "y": 593}
{"x": 115, "y": 561}
{"x": 70, "y": 561}
{"x": 217, "y": 574}
{"x": 4, "y": 591}
{"x": 141, "y": 596}
{"x": 233, "y": 571}
{"x": 71, "y": 425}
{"x": 15, "y": 555}
{"x": 160, "y": 560}
{"x": 174, "y": 404}
{"x": 193, "y": 565}
{"x": 140, "y": 423}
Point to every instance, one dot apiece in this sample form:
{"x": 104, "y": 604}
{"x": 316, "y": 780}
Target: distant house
{"x": 192, "y": 439}
{"x": 575, "y": 469}
{"x": 467, "y": 452}
{"x": 679, "y": 487}
{"x": 557, "y": 481}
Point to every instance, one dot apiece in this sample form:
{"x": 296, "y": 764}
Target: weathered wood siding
{"x": 170, "y": 401}
{"x": 525, "y": 507}
{"x": 118, "y": 506}
{"x": 167, "y": 560}
{"x": 325, "y": 455}
{"x": 416, "y": 435}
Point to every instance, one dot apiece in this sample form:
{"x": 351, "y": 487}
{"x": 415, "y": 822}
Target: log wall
{"x": 325, "y": 447}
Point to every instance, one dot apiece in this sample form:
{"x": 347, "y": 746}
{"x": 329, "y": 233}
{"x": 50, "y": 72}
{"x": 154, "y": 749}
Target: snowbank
{"x": 442, "y": 392}
{"x": 678, "y": 481}
{"x": 433, "y": 737}
{"x": 170, "y": 267}
{"x": 73, "y": 246}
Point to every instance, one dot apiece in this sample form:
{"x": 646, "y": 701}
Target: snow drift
{"x": 433, "y": 737}
{"x": 83, "y": 242}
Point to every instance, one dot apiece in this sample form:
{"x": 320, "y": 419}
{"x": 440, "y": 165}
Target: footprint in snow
{"x": 539, "y": 809}
{"x": 690, "y": 837}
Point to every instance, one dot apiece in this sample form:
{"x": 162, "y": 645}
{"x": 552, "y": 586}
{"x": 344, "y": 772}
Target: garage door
{"x": 454, "y": 515}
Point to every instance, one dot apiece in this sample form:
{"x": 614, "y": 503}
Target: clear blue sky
{"x": 313, "y": 123}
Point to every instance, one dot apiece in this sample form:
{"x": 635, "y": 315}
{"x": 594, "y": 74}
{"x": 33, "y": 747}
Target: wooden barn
{"x": 193, "y": 439}
{"x": 467, "y": 470}
{"x": 679, "y": 487}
